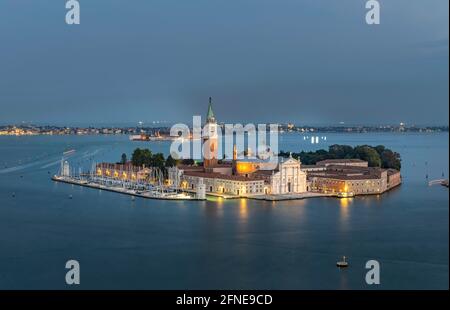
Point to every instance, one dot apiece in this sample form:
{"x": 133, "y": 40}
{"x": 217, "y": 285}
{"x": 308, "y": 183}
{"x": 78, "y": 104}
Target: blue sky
{"x": 302, "y": 61}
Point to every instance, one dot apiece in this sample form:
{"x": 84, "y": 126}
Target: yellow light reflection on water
{"x": 344, "y": 202}
{"x": 344, "y": 211}
{"x": 219, "y": 202}
{"x": 243, "y": 208}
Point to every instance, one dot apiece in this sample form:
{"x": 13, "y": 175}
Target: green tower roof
{"x": 210, "y": 116}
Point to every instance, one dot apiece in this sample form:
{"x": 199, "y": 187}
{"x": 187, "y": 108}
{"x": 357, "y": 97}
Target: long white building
{"x": 286, "y": 178}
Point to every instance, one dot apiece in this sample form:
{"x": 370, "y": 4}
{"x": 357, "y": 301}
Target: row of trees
{"x": 145, "y": 157}
{"x": 376, "y": 156}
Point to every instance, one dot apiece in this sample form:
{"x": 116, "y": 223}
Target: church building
{"x": 239, "y": 177}
{"x": 288, "y": 178}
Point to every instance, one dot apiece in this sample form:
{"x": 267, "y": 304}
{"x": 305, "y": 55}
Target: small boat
{"x": 345, "y": 194}
{"x": 70, "y": 196}
{"x": 141, "y": 137}
{"x": 343, "y": 263}
{"x": 69, "y": 152}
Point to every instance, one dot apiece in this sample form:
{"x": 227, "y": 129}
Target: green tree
{"x": 341, "y": 151}
{"x": 188, "y": 162}
{"x": 390, "y": 159}
{"x": 141, "y": 157}
{"x": 378, "y": 156}
{"x": 368, "y": 154}
{"x": 157, "y": 160}
{"x": 170, "y": 161}
{"x": 123, "y": 159}
{"x": 147, "y": 158}
{"x": 136, "y": 157}
{"x": 380, "y": 149}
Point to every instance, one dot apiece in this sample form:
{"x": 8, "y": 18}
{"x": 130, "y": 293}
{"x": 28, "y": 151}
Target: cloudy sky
{"x": 303, "y": 61}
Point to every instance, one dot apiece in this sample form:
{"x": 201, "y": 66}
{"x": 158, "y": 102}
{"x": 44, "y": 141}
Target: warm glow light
{"x": 243, "y": 209}
{"x": 184, "y": 184}
{"x": 242, "y": 190}
{"x": 344, "y": 202}
{"x": 245, "y": 167}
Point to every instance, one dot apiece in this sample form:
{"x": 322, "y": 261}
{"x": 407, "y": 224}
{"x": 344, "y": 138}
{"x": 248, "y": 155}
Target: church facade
{"x": 289, "y": 179}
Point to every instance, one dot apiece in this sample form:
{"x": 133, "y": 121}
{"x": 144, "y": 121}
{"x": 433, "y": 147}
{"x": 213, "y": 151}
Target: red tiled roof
{"x": 265, "y": 172}
{"x": 215, "y": 175}
{"x": 349, "y": 173}
{"x": 344, "y": 160}
{"x": 392, "y": 172}
{"x": 190, "y": 168}
{"x": 345, "y": 177}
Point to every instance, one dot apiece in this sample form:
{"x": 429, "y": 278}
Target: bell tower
{"x": 210, "y": 145}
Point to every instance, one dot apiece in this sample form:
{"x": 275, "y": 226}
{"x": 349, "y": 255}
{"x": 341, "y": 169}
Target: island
{"x": 341, "y": 171}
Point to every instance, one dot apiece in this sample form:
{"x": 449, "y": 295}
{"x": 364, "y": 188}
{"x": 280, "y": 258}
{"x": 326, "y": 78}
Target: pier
{"x": 143, "y": 193}
{"x": 146, "y": 183}
{"x": 443, "y": 182}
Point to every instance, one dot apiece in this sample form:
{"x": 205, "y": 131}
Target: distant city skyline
{"x": 166, "y": 124}
{"x": 306, "y": 62}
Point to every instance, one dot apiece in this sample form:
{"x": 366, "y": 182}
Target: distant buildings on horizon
{"x": 20, "y": 130}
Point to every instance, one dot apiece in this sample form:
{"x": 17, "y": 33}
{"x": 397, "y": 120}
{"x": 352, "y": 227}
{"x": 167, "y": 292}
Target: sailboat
{"x": 343, "y": 263}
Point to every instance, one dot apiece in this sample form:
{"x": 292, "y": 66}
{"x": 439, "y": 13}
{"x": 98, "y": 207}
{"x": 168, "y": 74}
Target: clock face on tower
{"x": 212, "y": 130}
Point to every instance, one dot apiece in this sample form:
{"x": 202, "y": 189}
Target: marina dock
{"x": 122, "y": 190}
{"x": 185, "y": 195}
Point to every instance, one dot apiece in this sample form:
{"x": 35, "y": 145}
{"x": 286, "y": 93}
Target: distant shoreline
{"x": 30, "y": 130}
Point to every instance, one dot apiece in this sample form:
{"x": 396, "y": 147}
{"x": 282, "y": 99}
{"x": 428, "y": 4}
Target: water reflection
{"x": 243, "y": 209}
{"x": 343, "y": 279}
{"x": 344, "y": 212}
{"x": 219, "y": 202}
{"x": 344, "y": 202}
{"x": 213, "y": 206}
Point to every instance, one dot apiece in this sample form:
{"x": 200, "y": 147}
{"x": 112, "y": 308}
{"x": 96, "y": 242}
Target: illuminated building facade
{"x": 126, "y": 172}
{"x": 289, "y": 178}
{"x": 353, "y": 180}
{"x": 223, "y": 184}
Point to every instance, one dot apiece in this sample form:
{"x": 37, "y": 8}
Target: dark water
{"x": 150, "y": 244}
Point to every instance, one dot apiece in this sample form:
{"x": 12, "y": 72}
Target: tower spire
{"x": 210, "y": 139}
{"x": 210, "y": 116}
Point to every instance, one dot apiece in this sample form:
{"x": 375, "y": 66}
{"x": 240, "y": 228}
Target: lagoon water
{"x": 217, "y": 244}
